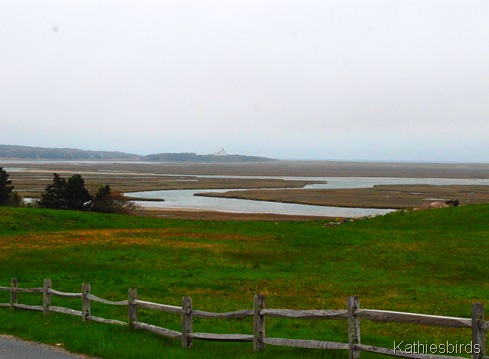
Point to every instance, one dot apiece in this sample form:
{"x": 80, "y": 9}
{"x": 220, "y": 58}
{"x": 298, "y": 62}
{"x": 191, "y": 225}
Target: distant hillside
{"x": 193, "y": 157}
{"x": 25, "y": 152}
{"x": 67, "y": 154}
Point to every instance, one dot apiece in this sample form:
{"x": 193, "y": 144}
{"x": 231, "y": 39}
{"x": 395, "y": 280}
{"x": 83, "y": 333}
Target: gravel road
{"x": 13, "y": 348}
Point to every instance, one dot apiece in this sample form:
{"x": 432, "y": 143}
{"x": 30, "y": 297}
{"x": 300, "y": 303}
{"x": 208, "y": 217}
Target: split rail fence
{"x": 352, "y": 314}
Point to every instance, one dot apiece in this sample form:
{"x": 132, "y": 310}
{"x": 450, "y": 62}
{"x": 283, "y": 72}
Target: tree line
{"x": 68, "y": 193}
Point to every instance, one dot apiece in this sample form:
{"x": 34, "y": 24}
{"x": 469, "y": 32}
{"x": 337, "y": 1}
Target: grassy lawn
{"x": 432, "y": 262}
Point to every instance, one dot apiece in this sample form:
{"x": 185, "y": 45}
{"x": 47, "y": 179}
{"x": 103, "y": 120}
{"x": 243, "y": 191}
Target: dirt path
{"x": 14, "y": 348}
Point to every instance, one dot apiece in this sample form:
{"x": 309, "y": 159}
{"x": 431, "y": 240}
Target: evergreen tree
{"x": 15, "y": 200}
{"x": 76, "y": 194}
{"x": 102, "y": 201}
{"x": 6, "y": 187}
{"x": 54, "y": 194}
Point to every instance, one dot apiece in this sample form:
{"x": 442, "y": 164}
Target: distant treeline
{"x": 25, "y": 152}
{"x": 41, "y": 153}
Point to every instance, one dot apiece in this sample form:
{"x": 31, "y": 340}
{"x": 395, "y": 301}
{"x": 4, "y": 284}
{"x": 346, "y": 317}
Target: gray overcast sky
{"x": 293, "y": 79}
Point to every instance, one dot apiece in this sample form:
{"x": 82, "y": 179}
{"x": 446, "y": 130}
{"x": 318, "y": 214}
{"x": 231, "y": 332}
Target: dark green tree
{"x": 15, "y": 200}
{"x": 102, "y": 201}
{"x": 6, "y": 187}
{"x": 76, "y": 194}
{"x": 54, "y": 194}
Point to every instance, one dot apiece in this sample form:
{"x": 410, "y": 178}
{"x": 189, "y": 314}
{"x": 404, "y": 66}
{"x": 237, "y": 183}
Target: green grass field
{"x": 432, "y": 262}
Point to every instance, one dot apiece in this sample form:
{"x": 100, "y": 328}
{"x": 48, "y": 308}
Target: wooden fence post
{"x": 258, "y": 323}
{"x": 132, "y": 307}
{"x": 46, "y": 296}
{"x": 478, "y": 337}
{"x": 353, "y": 303}
{"x": 187, "y": 327}
{"x": 86, "y": 307}
{"x": 14, "y": 283}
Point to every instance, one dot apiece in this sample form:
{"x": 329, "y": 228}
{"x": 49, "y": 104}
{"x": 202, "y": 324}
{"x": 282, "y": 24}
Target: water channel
{"x": 185, "y": 199}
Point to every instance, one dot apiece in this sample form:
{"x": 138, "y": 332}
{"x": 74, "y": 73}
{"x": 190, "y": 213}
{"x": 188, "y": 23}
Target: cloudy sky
{"x": 386, "y": 80}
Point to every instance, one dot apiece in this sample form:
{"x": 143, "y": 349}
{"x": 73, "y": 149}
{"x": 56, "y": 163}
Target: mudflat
{"x": 31, "y": 177}
{"x": 382, "y": 196}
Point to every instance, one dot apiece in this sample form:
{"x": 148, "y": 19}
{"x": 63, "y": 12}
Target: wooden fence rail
{"x": 352, "y": 315}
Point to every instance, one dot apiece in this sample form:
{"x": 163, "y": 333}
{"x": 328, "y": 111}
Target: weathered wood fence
{"x": 352, "y": 314}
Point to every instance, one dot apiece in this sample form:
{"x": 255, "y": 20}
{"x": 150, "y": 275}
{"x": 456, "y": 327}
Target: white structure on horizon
{"x": 221, "y": 152}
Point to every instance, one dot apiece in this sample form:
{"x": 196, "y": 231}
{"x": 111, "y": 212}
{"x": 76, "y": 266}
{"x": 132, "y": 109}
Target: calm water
{"x": 185, "y": 199}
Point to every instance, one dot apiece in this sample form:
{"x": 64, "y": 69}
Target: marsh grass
{"x": 430, "y": 262}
